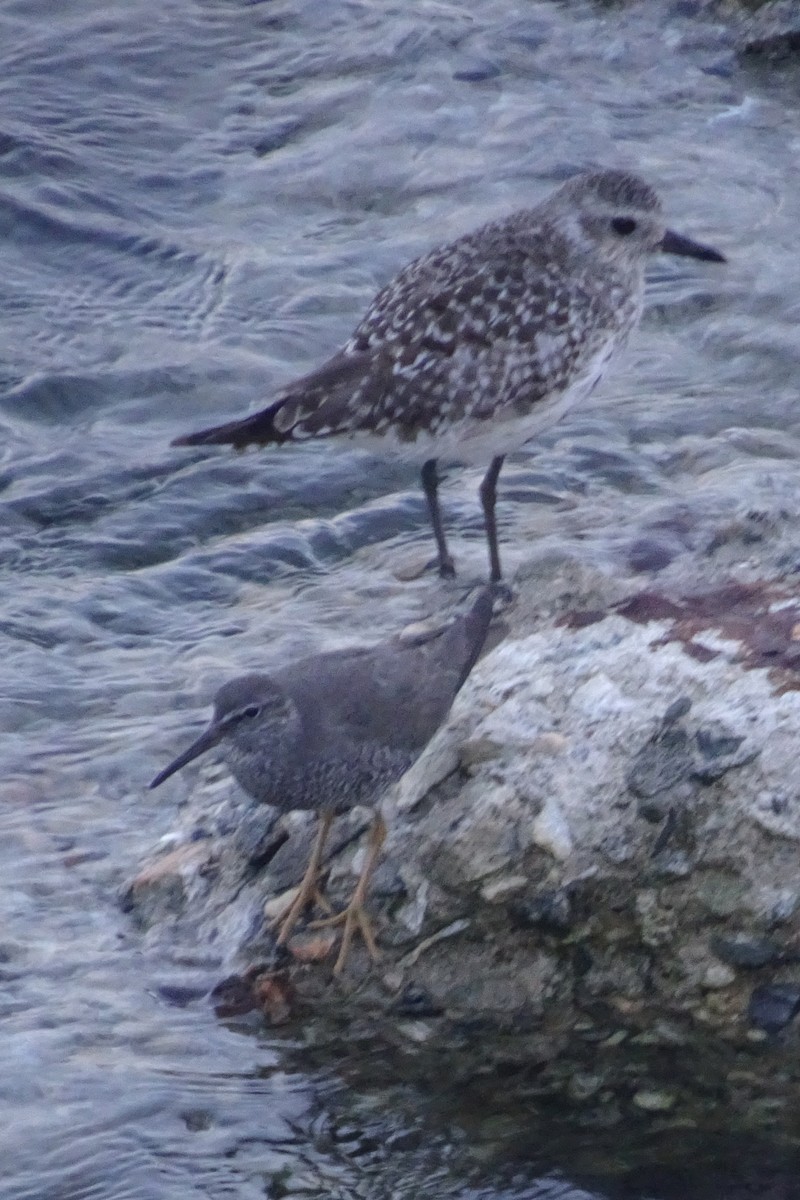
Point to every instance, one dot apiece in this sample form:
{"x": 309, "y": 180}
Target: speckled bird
{"x": 475, "y": 347}
{"x": 336, "y": 730}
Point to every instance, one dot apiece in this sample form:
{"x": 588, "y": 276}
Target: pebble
{"x": 551, "y": 831}
{"x": 312, "y": 946}
{"x": 664, "y": 761}
{"x": 722, "y": 893}
{"x": 392, "y": 980}
{"x": 550, "y": 911}
{"x": 415, "y": 1001}
{"x": 418, "y": 1032}
{"x": 162, "y": 883}
{"x": 741, "y": 950}
{"x": 773, "y": 1006}
{"x": 654, "y": 1101}
{"x": 549, "y": 743}
{"x": 276, "y": 906}
{"x": 414, "y": 567}
{"x": 496, "y": 890}
{"x": 451, "y": 930}
{"x": 274, "y": 996}
{"x": 718, "y": 975}
{"x": 583, "y": 1085}
{"x": 180, "y": 995}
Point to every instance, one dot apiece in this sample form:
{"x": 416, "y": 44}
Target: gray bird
{"x": 334, "y": 731}
{"x": 478, "y": 345}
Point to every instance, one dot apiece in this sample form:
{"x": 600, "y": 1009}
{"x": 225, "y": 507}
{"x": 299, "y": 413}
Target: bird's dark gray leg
{"x": 430, "y": 486}
{"x": 488, "y": 495}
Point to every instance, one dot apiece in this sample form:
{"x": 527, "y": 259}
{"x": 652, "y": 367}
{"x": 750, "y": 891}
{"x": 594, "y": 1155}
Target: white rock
{"x": 718, "y": 975}
{"x": 496, "y": 890}
{"x": 551, "y": 830}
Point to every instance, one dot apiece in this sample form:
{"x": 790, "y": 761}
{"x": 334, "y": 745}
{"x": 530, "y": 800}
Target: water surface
{"x": 197, "y": 201}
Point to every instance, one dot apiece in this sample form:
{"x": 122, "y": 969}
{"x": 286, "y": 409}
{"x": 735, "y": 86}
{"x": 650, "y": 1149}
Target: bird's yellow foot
{"x": 353, "y": 917}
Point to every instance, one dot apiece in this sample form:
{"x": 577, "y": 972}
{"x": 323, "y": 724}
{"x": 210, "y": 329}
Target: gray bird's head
{"x": 251, "y": 714}
{"x": 619, "y": 215}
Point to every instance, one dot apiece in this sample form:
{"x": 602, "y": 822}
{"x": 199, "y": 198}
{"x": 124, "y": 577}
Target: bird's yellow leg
{"x": 354, "y": 914}
{"x": 309, "y": 889}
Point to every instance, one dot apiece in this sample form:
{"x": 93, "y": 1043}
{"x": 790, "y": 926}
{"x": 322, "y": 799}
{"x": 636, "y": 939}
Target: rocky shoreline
{"x": 591, "y": 879}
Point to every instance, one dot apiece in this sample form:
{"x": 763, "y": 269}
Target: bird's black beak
{"x": 208, "y": 738}
{"x": 676, "y": 243}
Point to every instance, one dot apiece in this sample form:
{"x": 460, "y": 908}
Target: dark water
{"x": 197, "y": 199}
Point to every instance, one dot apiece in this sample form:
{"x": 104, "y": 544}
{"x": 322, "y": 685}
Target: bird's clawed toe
{"x": 285, "y": 922}
{"x": 353, "y": 917}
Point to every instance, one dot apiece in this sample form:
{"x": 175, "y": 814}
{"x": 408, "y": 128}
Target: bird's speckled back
{"x": 485, "y": 327}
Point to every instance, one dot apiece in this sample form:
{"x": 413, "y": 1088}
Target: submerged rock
{"x": 774, "y": 1005}
{"x": 772, "y": 31}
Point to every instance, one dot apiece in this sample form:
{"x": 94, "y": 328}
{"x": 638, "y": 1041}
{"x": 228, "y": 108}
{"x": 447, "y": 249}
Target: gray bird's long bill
{"x": 208, "y": 738}
{"x": 676, "y": 243}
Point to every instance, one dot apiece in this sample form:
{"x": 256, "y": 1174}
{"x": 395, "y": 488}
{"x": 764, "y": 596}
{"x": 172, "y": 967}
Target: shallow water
{"x": 197, "y": 200}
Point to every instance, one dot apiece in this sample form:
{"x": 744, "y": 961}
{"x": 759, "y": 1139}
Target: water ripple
{"x": 197, "y": 200}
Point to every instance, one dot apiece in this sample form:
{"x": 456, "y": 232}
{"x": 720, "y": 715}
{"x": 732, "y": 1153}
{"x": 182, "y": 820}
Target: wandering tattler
{"x": 334, "y": 731}
{"x": 478, "y": 345}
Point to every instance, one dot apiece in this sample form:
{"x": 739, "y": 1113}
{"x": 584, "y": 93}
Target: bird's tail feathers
{"x": 318, "y": 405}
{"x": 258, "y": 427}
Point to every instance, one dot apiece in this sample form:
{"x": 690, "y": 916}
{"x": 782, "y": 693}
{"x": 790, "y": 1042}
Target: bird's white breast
{"x": 475, "y": 440}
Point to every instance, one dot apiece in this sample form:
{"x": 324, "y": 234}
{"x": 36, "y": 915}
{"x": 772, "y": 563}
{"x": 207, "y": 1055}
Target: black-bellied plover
{"x": 335, "y": 730}
{"x": 478, "y": 345}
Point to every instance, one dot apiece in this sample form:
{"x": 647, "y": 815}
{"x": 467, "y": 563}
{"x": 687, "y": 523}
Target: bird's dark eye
{"x": 623, "y": 225}
{"x": 252, "y": 710}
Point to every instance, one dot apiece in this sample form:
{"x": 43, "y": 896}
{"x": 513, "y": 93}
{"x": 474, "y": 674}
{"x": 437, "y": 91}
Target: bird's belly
{"x": 473, "y": 440}
{"x": 334, "y": 779}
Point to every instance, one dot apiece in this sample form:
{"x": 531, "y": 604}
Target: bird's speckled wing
{"x": 480, "y": 329}
{"x": 480, "y": 325}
